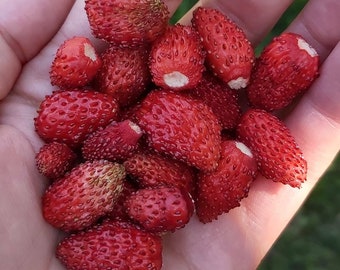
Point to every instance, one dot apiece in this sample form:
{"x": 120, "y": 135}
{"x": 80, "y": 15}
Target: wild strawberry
{"x": 285, "y": 69}
{"x": 127, "y": 23}
{"x": 181, "y": 127}
{"x": 75, "y": 64}
{"x": 223, "y": 101}
{"x": 116, "y": 142}
{"x": 84, "y": 195}
{"x": 111, "y": 245}
{"x": 221, "y": 190}
{"x": 278, "y": 156}
{"x": 124, "y": 74}
{"x": 69, "y": 116}
{"x": 151, "y": 170}
{"x": 229, "y": 53}
{"x": 160, "y": 209}
{"x": 54, "y": 159}
{"x": 177, "y": 58}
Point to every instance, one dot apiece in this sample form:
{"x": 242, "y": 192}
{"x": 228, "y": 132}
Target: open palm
{"x": 31, "y": 31}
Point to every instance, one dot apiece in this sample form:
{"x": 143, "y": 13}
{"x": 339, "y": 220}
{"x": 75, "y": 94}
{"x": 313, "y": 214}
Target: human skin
{"x": 29, "y": 36}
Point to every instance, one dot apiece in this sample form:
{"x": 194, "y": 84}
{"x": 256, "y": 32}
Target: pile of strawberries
{"x": 143, "y": 135}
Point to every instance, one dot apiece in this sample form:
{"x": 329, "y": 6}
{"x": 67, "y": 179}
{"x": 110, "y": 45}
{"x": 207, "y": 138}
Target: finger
{"x": 256, "y": 18}
{"x": 24, "y": 29}
{"x": 318, "y": 24}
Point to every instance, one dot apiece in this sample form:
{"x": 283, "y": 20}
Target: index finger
{"x": 24, "y": 29}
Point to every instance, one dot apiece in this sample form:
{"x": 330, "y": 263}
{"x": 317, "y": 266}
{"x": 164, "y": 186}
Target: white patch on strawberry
{"x": 303, "y": 45}
{"x": 238, "y": 83}
{"x": 90, "y": 52}
{"x": 244, "y": 149}
{"x": 175, "y": 79}
{"x": 135, "y": 127}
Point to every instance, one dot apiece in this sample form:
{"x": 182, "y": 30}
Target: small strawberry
{"x": 179, "y": 126}
{"x": 285, "y": 69}
{"x": 124, "y": 74}
{"x": 127, "y": 23}
{"x": 223, "y": 101}
{"x": 229, "y": 53}
{"x": 278, "y": 156}
{"x": 116, "y": 142}
{"x": 69, "y": 116}
{"x": 54, "y": 159}
{"x": 151, "y": 169}
{"x": 221, "y": 190}
{"x": 82, "y": 196}
{"x": 111, "y": 245}
{"x": 160, "y": 209}
{"x": 75, "y": 64}
{"x": 177, "y": 58}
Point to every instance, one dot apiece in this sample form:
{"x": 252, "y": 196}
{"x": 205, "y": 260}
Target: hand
{"x": 29, "y": 37}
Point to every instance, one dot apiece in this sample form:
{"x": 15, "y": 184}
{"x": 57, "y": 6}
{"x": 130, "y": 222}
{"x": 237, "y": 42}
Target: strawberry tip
{"x": 135, "y": 127}
{"x": 175, "y": 79}
{"x": 244, "y": 149}
{"x": 303, "y": 45}
{"x": 238, "y": 83}
{"x": 90, "y": 52}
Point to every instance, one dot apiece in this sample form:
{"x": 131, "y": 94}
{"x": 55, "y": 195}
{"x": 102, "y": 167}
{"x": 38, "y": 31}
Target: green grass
{"x": 183, "y": 8}
{"x": 312, "y": 239}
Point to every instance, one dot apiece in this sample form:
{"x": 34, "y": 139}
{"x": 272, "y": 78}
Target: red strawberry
{"x": 223, "y": 101}
{"x": 285, "y": 69}
{"x": 84, "y": 195}
{"x": 181, "y": 127}
{"x": 54, "y": 159}
{"x": 160, "y": 209}
{"x": 75, "y": 64}
{"x": 116, "y": 142}
{"x": 127, "y": 23}
{"x": 111, "y": 245}
{"x": 177, "y": 58}
{"x": 124, "y": 74}
{"x": 278, "y": 156}
{"x": 221, "y": 190}
{"x": 69, "y": 116}
{"x": 229, "y": 53}
{"x": 150, "y": 170}
{"x": 119, "y": 211}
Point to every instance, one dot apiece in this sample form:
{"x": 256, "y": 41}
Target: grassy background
{"x": 312, "y": 240}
